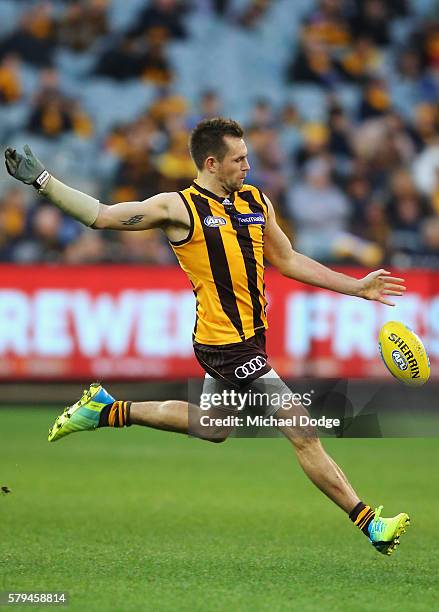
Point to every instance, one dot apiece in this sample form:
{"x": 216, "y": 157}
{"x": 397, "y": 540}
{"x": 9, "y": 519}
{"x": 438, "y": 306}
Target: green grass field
{"x": 144, "y": 520}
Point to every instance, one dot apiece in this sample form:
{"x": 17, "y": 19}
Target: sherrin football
{"x": 404, "y": 354}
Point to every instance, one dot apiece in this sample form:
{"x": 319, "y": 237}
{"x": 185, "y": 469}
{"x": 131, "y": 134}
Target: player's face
{"x": 233, "y": 169}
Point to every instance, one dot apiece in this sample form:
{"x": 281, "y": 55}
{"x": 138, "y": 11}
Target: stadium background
{"x": 339, "y": 102}
{"x": 339, "y": 99}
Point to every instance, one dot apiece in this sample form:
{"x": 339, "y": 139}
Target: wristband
{"x": 41, "y": 180}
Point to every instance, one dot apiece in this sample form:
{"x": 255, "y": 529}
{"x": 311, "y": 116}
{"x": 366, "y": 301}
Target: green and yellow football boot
{"x": 82, "y": 416}
{"x": 384, "y": 533}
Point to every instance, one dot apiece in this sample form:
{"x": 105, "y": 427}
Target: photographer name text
{"x": 269, "y": 421}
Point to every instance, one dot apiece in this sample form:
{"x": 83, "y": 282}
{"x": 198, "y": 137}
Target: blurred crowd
{"x": 345, "y": 142}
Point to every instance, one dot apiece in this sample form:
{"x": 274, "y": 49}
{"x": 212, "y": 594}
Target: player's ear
{"x": 210, "y": 164}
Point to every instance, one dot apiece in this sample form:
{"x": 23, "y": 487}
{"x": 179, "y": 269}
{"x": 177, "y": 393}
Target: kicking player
{"x": 220, "y": 230}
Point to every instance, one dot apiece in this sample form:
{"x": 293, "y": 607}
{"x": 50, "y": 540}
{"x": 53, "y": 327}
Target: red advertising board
{"x": 132, "y": 322}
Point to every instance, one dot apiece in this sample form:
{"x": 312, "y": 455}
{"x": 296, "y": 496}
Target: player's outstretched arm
{"x": 150, "y": 213}
{"x": 278, "y": 250}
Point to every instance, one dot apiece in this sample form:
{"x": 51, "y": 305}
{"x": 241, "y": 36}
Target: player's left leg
{"x": 324, "y": 472}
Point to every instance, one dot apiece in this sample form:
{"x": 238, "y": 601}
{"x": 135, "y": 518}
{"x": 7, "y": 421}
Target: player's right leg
{"x": 182, "y": 417}
{"x": 97, "y": 408}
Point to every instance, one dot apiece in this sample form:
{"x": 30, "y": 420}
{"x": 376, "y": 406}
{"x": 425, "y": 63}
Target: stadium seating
{"x": 244, "y": 62}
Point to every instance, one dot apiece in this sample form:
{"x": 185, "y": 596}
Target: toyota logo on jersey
{"x": 250, "y": 367}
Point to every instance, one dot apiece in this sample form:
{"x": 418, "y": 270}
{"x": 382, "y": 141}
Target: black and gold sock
{"x": 116, "y": 414}
{"x": 362, "y": 516}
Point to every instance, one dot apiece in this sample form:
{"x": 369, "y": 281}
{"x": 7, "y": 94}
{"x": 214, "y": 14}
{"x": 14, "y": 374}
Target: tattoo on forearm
{"x": 133, "y": 220}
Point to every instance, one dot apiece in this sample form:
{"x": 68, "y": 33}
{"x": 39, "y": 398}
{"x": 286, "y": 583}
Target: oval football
{"x": 404, "y": 354}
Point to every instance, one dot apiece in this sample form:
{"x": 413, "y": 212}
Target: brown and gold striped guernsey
{"x": 223, "y": 256}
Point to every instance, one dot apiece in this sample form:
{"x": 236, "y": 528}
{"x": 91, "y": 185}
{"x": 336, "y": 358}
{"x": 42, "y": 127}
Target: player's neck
{"x": 211, "y": 184}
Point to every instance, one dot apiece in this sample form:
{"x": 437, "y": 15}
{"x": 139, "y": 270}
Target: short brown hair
{"x": 207, "y": 138}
